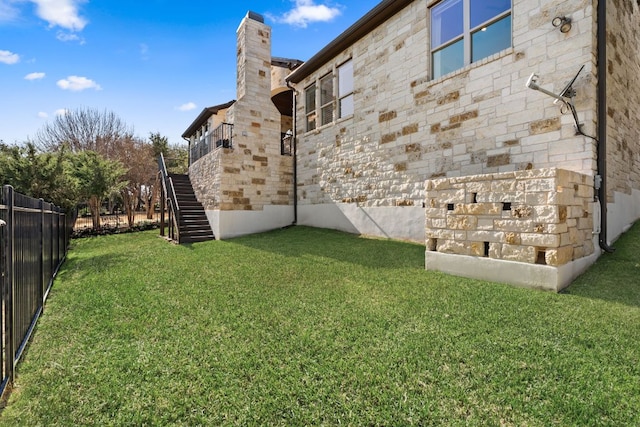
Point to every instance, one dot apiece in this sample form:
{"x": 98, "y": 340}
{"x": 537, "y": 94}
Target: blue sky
{"x": 154, "y": 63}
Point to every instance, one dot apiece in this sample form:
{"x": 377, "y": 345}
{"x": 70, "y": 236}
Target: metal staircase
{"x": 193, "y": 224}
{"x": 187, "y": 222}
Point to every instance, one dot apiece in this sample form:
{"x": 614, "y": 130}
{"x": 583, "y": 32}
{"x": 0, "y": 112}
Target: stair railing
{"x": 170, "y": 200}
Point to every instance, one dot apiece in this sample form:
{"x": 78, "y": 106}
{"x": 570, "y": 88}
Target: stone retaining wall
{"x": 539, "y": 216}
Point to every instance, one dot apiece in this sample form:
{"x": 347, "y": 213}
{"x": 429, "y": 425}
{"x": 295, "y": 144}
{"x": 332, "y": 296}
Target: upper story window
{"x": 320, "y": 97}
{"x": 345, "y": 89}
{"x": 326, "y": 99}
{"x": 310, "y": 106}
{"x": 466, "y": 31}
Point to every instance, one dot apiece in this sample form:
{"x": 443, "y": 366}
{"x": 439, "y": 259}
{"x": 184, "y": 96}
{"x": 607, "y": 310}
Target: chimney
{"x": 254, "y": 57}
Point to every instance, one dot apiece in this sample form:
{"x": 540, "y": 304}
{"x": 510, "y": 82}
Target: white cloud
{"x": 77, "y": 83}
{"x": 61, "y": 112}
{"x": 61, "y": 13}
{"x": 7, "y": 12}
{"x": 34, "y": 76}
{"x": 43, "y": 115}
{"x": 69, "y": 37}
{"x": 187, "y": 107}
{"x": 8, "y": 57}
{"x": 306, "y": 11}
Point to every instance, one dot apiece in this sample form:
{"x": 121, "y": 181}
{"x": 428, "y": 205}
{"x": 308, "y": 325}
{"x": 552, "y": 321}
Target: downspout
{"x": 601, "y": 177}
{"x": 294, "y": 149}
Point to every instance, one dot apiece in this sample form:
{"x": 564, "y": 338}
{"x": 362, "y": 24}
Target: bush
{"x": 107, "y": 230}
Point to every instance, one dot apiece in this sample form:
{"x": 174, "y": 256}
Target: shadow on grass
{"x": 614, "y": 277}
{"x": 84, "y": 266}
{"x": 299, "y": 241}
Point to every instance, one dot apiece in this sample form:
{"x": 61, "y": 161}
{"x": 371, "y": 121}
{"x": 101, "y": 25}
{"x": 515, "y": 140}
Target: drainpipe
{"x": 294, "y": 153}
{"x": 601, "y": 177}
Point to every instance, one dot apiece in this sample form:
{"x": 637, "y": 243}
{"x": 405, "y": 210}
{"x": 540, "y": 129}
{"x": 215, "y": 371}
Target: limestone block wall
{"x": 538, "y": 217}
{"x": 623, "y": 97}
{"x": 252, "y": 173}
{"x": 205, "y": 178}
{"x": 408, "y": 128}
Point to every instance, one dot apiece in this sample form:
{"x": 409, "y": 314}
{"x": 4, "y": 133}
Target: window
{"x": 466, "y": 31}
{"x": 310, "y": 106}
{"x": 345, "y": 89}
{"x": 326, "y": 99}
{"x": 321, "y": 107}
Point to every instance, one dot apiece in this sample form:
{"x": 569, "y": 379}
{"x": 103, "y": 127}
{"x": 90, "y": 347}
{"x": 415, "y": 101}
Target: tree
{"x": 137, "y": 157}
{"x": 98, "y": 178}
{"x": 41, "y": 175}
{"x": 176, "y": 160}
{"x": 83, "y": 129}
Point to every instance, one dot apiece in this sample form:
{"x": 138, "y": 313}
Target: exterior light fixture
{"x": 563, "y": 23}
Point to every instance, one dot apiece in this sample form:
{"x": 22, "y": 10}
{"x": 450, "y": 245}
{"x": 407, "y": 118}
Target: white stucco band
{"x": 622, "y": 214}
{"x": 402, "y": 222}
{"x": 229, "y": 224}
{"x": 533, "y": 276}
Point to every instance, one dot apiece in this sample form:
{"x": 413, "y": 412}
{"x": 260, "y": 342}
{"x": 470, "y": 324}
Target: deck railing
{"x": 222, "y": 136}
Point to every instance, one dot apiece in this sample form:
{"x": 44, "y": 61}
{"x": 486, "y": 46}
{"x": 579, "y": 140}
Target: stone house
{"x": 240, "y": 162}
{"x": 420, "y": 122}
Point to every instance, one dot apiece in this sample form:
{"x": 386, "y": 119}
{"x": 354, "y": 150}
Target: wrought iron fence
{"x": 222, "y": 136}
{"x": 34, "y": 237}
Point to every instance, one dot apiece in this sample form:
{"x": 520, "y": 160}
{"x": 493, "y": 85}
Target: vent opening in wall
{"x": 474, "y": 197}
{"x": 542, "y": 257}
{"x": 486, "y": 249}
{"x": 506, "y": 206}
{"x": 432, "y": 245}
{"x": 450, "y": 207}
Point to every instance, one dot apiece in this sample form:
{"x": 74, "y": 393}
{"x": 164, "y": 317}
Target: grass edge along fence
{"x": 34, "y": 238}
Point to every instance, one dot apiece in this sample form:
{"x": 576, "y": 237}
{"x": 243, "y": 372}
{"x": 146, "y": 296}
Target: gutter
{"x": 601, "y": 176}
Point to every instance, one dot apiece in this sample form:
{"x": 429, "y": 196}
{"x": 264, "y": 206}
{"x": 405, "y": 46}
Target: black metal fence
{"x": 34, "y": 238}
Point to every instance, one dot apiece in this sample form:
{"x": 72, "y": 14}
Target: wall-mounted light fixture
{"x": 563, "y": 23}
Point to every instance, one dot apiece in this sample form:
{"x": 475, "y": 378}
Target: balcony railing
{"x": 222, "y": 136}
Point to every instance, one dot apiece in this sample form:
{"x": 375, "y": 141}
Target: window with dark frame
{"x": 310, "y": 106}
{"x": 326, "y": 99}
{"x": 466, "y": 31}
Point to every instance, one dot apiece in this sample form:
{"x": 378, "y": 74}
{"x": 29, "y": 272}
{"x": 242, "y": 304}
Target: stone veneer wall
{"x": 408, "y": 128}
{"x": 206, "y": 179}
{"x": 537, "y": 217}
{"x": 623, "y": 97}
{"x": 623, "y": 115}
{"x": 252, "y": 174}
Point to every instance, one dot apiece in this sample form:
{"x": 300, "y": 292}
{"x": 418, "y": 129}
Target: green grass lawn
{"x": 315, "y": 327}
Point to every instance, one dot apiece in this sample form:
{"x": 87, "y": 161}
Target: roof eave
{"x": 204, "y": 116}
{"x": 369, "y": 22}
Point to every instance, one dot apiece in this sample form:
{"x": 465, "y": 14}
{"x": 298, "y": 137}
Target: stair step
{"x": 194, "y": 225}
